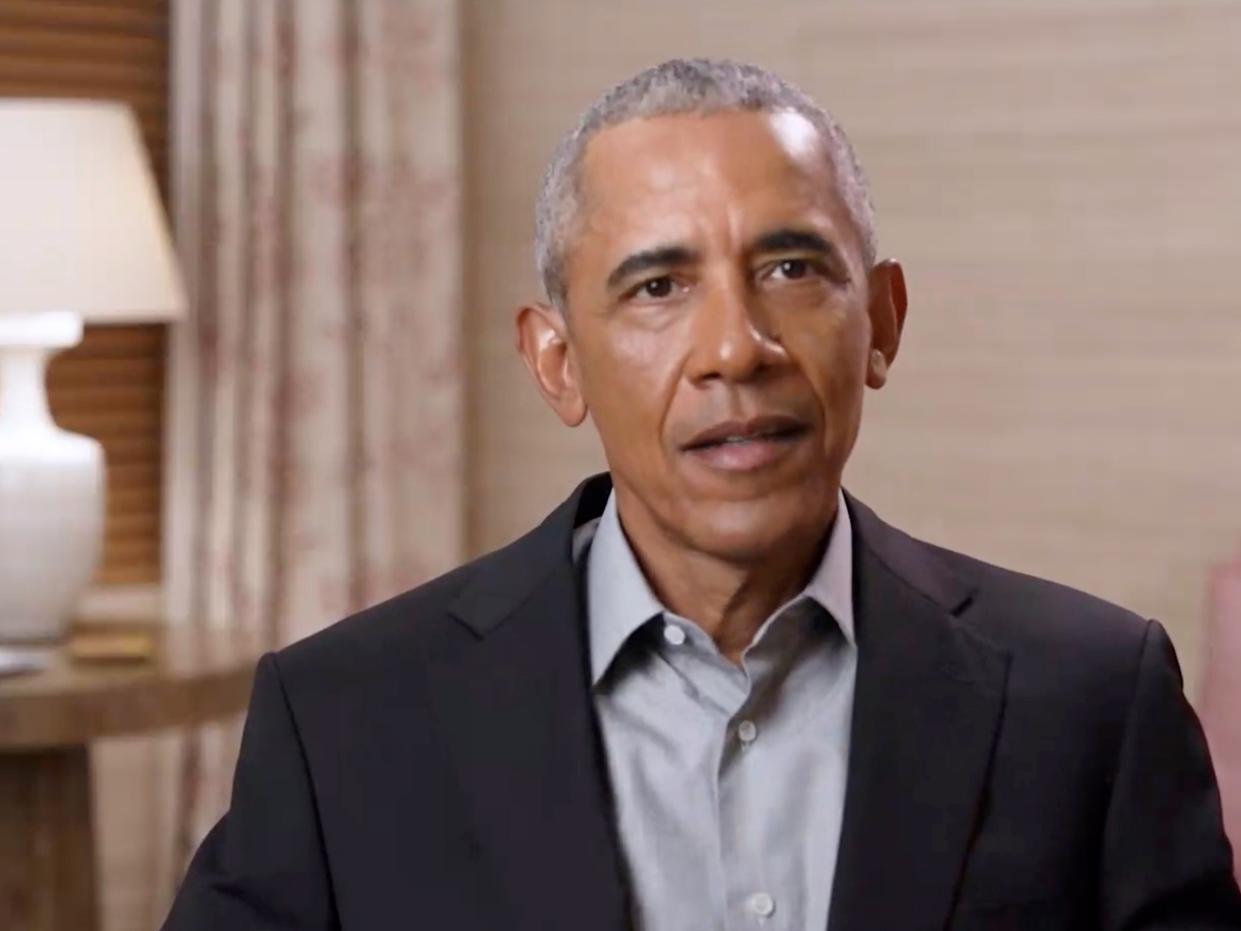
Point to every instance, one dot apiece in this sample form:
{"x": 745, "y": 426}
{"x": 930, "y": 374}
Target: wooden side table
{"x": 47, "y": 721}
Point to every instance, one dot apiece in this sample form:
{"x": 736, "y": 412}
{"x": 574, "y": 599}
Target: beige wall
{"x": 1063, "y": 181}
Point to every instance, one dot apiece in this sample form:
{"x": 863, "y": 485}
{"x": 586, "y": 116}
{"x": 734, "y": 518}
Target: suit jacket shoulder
{"x": 358, "y": 660}
{"x": 1075, "y": 637}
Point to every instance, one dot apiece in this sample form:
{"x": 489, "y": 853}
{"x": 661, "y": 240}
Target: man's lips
{"x": 745, "y": 445}
{"x": 766, "y": 427}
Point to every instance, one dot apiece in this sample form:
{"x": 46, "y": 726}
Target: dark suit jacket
{"x": 1022, "y": 757}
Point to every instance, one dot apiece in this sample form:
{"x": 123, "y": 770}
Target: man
{"x": 712, "y": 691}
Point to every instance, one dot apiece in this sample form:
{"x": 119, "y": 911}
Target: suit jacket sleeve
{"x": 262, "y": 867}
{"x": 1166, "y": 861}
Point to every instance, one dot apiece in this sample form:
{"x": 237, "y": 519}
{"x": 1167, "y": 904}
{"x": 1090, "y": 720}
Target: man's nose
{"x": 734, "y": 339}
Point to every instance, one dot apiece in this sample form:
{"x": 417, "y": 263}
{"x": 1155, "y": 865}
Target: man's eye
{"x": 792, "y": 269}
{"x": 656, "y": 288}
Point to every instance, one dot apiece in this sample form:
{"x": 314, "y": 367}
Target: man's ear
{"x": 888, "y": 303}
{"x": 543, "y": 342}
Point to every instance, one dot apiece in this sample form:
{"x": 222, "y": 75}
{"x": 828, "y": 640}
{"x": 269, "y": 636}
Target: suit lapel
{"x": 926, "y": 713}
{"x": 515, "y": 706}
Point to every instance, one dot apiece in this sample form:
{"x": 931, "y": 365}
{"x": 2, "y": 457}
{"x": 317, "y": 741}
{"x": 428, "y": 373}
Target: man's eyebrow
{"x": 657, "y": 257}
{"x": 788, "y": 240}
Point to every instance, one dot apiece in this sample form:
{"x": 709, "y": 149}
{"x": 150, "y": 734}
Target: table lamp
{"x": 83, "y": 238}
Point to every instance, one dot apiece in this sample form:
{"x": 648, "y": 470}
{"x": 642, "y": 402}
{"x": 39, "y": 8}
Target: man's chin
{"x": 751, "y": 529}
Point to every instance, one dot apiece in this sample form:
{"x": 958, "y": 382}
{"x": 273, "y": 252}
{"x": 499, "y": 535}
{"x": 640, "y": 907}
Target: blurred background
{"x": 341, "y": 413}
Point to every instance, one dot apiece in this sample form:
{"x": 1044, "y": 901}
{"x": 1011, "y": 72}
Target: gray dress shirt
{"x": 728, "y": 780}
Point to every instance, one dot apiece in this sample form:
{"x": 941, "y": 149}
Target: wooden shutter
{"x": 111, "y": 386}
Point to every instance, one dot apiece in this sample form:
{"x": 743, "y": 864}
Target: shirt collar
{"x": 619, "y": 600}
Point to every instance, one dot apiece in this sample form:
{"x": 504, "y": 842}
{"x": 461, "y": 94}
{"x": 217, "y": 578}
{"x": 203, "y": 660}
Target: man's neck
{"x": 728, "y": 599}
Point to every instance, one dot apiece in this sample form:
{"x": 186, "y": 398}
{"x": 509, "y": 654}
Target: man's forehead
{"x": 662, "y": 151}
{"x": 665, "y": 176}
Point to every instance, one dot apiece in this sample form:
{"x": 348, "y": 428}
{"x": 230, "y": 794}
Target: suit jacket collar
{"x": 502, "y": 581}
{"x": 514, "y": 707}
{"x": 926, "y": 713}
{"x": 519, "y": 715}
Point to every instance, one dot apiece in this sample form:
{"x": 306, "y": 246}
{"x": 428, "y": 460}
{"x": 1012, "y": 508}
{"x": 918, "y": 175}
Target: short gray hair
{"x": 684, "y": 85}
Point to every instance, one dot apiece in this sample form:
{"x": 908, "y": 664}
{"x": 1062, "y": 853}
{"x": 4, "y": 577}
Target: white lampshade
{"x": 82, "y": 228}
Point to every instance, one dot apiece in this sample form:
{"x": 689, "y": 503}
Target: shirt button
{"x": 674, "y": 634}
{"x": 761, "y": 904}
{"x": 747, "y": 731}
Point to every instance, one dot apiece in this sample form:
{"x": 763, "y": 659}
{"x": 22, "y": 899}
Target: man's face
{"x": 721, "y": 327}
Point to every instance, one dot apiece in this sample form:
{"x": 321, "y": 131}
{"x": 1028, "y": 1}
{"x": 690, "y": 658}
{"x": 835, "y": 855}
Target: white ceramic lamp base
{"x": 51, "y": 487}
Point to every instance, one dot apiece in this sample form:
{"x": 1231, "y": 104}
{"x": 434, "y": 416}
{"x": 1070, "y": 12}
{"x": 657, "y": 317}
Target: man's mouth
{"x": 746, "y": 445}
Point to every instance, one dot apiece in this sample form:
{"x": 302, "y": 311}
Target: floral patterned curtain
{"x": 316, "y": 461}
